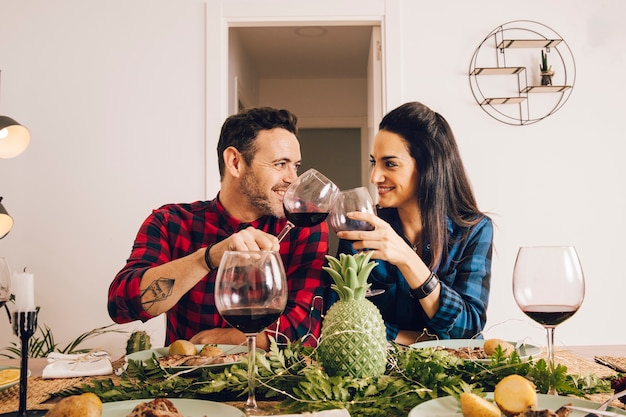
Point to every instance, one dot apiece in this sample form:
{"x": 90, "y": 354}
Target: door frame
{"x": 221, "y": 15}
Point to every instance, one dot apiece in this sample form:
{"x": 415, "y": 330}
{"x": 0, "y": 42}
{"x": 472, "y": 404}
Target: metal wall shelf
{"x": 519, "y": 35}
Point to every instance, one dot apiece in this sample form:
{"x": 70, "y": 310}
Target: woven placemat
{"x": 619, "y": 364}
{"x": 579, "y": 365}
{"x": 39, "y": 390}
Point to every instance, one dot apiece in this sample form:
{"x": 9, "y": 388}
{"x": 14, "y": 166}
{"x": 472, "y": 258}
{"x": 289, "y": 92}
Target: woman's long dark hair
{"x": 444, "y": 189}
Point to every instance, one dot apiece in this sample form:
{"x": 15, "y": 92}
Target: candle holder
{"x": 24, "y": 326}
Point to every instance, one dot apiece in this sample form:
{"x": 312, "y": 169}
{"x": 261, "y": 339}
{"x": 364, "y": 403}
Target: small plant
{"x": 546, "y": 70}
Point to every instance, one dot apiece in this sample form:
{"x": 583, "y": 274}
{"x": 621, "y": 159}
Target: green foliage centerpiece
{"x": 353, "y": 340}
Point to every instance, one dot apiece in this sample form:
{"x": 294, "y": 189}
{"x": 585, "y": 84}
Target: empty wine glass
{"x": 549, "y": 287}
{"x": 354, "y": 199}
{"x": 5, "y": 285}
{"x": 308, "y": 200}
{"x": 250, "y": 294}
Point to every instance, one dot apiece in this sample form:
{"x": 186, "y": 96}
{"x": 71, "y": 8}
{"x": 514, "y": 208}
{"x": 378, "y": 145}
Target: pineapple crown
{"x": 350, "y": 274}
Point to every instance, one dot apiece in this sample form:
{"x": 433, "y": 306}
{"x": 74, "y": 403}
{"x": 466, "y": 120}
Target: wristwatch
{"x": 426, "y": 288}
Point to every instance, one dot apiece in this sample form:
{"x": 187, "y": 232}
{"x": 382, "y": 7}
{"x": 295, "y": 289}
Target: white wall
{"x": 114, "y": 95}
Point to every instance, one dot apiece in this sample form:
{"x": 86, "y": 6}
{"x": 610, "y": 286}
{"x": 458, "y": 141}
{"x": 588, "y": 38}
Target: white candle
{"x": 24, "y": 291}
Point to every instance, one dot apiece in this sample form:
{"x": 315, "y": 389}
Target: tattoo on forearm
{"x": 159, "y": 290}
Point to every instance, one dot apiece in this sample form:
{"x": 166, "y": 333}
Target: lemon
{"x": 182, "y": 347}
{"x": 473, "y": 405}
{"x": 9, "y": 375}
{"x": 211, "y": 351}
{"x": 94, "y": 398}
{"x": 514, "y": 394}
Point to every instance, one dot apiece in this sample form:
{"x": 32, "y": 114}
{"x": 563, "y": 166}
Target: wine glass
{"x": 549, "y": 287}
{"x": 5, "y": 285}
{"x": 308, "y": 200}
{"x": 250, "y": 294}
{"x": 354, "y": 199}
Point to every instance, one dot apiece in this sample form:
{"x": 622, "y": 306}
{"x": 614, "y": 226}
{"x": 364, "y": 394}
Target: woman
{"x": 432, "y": 243}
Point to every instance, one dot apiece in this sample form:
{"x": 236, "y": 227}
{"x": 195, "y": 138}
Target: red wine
{"x": 306, "y": 219}
{"x": 251, "y": 319}
{"x": 350, "y": 225}
{"x": 549, "y": 315}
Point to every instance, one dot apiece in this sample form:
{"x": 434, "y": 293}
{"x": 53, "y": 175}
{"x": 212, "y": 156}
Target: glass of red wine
{"x": 353, "y": 199}
{"x": 549, "y": 287}
{"x": 5, "y": 284}
{"x": 308, "y": 201}
{"x": 250, "y": 295}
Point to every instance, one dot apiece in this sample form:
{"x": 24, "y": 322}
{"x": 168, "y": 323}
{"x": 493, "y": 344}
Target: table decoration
{"x": 294, "y": 377}
{"x": 24, "y": 326}
{"x": 61, "y": 365}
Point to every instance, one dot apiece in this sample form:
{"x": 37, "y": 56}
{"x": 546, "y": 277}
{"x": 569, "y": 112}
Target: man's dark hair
{"x": 240, "y": 131}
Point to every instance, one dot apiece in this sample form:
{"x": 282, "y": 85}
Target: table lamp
{"x": 6, "y": 221}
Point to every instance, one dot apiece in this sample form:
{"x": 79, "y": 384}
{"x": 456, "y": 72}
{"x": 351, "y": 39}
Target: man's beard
{"x": 257, "y": 198}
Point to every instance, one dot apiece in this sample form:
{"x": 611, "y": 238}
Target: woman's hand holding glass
{"x": 389, "y": 246}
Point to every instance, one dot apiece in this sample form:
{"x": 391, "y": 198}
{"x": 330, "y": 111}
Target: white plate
{"x": 523, "y": 350}
{"x": 449, "y": 406}
{"x": 158, "y": 352}
{"x": 10, "y": 384}
{"x": 187, "y": 407}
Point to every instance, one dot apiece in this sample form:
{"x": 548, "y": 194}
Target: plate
{"x": 158, "y": 352}
{"x": 10, "y": 384}
{"x": 187, "y": 407}
{"x": 523, "y": 350}
{"x": 449, "y": 406}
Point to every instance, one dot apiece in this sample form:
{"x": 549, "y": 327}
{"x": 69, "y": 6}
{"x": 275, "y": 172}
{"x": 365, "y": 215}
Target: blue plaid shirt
{"x": 465, "y": 277}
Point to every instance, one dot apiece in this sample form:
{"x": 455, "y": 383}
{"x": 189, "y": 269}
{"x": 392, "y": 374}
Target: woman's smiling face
{"x": 394, "y": 171}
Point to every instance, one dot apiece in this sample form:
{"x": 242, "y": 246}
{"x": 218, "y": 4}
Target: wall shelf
{"x": 505, "y": 71}
{"x": 529, "y": 43}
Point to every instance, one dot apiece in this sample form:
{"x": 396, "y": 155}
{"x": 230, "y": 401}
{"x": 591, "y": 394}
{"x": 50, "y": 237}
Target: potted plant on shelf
{"x": 546, "y": 70}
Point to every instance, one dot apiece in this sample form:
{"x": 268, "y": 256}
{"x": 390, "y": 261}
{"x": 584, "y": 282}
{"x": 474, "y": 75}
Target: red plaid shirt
{"x": 176, "y": 230}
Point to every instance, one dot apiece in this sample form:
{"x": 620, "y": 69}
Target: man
{"x": 172, "y": 266}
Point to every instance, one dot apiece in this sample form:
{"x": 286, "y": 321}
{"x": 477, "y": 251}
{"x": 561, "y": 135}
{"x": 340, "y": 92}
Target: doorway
{"x": 329, "y": 76}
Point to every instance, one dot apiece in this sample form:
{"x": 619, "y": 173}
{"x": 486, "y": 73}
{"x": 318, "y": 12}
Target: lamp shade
{"x": 14, "y": 138}
{"x": 6, "y": 221}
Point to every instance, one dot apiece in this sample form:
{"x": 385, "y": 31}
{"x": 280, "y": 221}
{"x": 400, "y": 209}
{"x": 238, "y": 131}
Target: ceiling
{"x": 307, "y": 51}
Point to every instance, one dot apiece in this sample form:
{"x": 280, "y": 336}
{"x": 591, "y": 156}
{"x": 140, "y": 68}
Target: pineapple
{"x": 353, "y": 340}
{"x": 138, "y": 341}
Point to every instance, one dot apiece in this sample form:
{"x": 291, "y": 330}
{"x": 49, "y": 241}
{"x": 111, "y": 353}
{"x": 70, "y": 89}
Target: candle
{"x": 24, "y": 291}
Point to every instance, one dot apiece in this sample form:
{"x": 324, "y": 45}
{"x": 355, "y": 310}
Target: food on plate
{"x": 159, "y": 407}
{"x": 210, "y": 351}
{"x": 9, "y": 375}
{"x": 473, "y": 405}
{"x": 208, "y": 355}
{"x": 490, "y": 346}
{"x": 182, "y": 347}
{"x": 83, "y": 405}
{"x": 198, "y": 360}
{"x": 472, "y": 351}
{"x": 531, "y": 412}
{"x": 514, "y": 394}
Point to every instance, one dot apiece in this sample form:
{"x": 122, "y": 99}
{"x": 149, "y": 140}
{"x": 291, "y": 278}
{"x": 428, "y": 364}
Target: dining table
{"x": 603, "y": 361}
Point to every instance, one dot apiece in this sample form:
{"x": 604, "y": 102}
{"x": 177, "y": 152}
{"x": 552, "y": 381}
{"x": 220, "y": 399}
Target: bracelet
{"x": 207, "y": 258}
{"x": 426, "y": 288}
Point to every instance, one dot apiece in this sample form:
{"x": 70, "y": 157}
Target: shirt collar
{"x": 234, "y": 223}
